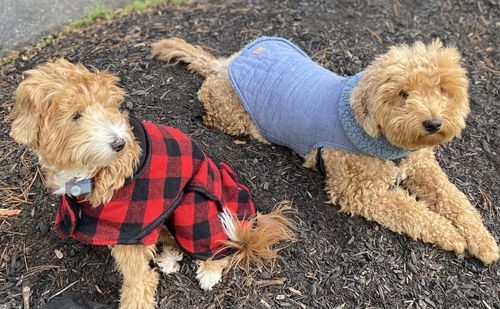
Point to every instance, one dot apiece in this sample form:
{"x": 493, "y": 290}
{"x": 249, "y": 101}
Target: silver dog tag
{"x": 76, "y": 188}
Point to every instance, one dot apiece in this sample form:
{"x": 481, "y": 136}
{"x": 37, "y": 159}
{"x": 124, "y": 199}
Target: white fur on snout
{"x": 106, "y": 132}
{"x": 103, "y": 132}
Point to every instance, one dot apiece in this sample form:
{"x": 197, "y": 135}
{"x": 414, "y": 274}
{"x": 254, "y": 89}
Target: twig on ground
{"x": 26, "y": 297}
{"x": 62, "y": 291}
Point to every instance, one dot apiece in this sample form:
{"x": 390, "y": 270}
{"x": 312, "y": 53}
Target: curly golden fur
{"x": 70, "y": 117}
{"x": 397, "y": 93}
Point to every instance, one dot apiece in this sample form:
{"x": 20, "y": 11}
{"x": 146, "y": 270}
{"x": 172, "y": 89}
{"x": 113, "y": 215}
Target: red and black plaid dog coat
{"x": 177, "y": 185}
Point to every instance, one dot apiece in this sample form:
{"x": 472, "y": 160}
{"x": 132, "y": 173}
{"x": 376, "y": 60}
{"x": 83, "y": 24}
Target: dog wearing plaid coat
{"x": 130, "y": 184}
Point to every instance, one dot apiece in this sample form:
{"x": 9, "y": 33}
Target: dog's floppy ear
{"x": 109, "y": 83}
{"x": 25, "y": 126}
{"x": 32, "y": 99}
{"x": 360, "y": 108}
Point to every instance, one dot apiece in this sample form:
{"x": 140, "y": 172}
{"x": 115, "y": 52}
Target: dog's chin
{"x": 420, "y": 140}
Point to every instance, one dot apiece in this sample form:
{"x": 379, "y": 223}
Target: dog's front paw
{"x": 168, "y": 261}
{"x": 452, "y": 240}
{"x": 484, "y": 249}
{"x": 208, "y": 278}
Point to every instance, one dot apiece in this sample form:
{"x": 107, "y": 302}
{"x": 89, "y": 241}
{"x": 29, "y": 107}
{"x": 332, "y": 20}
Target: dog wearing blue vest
{"x": 371, "y": 134}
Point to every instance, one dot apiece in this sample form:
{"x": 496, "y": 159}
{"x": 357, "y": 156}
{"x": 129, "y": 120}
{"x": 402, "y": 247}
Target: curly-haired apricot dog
{"x": 124, "y": 182}
{"x": 371, "y": 134}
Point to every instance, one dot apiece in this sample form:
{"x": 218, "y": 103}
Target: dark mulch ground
{"x": 339, "y": 260}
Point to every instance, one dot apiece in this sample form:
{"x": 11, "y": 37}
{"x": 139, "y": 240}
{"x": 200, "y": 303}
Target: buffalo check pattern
{"x": 178, "y": 185}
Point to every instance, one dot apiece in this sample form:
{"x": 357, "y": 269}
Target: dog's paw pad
{"x": 169, "y": 264}
{"x": 208, "y": 279}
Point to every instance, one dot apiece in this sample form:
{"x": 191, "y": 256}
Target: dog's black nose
{"x": 432, "y": 125}
{"x": 118, "y": 144}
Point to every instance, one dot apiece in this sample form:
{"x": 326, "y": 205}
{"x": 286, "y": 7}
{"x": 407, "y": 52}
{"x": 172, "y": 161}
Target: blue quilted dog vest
{"x": 299, "y": 104}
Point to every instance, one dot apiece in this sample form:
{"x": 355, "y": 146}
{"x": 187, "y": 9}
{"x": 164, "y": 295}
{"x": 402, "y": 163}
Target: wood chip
{"x": 59, "y": 254}
{"x": 263, "y": 302}
{"x": 310, "y": 275}
{"x": 26, "y": 297}
{"x": 295, "y": 291}
{"x": 264, "y": 283}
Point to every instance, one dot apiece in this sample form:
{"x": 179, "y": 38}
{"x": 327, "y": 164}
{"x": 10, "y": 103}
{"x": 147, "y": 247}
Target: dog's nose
{"x": 432, "y": 125}
{"x": 118, "y": 144}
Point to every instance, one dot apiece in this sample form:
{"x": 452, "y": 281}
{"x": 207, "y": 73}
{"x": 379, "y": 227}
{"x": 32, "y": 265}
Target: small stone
{"x": 266, "y": 185}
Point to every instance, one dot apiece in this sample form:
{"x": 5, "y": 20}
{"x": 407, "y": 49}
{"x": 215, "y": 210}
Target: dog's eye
{"x": 77, "y": 116}
{"x": 403, "y": 94}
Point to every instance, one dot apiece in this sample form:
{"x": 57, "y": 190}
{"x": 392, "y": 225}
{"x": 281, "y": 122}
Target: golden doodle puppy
{"x": 131, "y": 184}
{"x": 371, "y": 134}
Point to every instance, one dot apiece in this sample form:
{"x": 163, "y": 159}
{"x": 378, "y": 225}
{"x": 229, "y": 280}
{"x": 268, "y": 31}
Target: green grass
{"x": 139, "y": 5}
{"x": 98, "y": 12}
{"x": 8, "y": 59}
{"x": 49, "y": 40}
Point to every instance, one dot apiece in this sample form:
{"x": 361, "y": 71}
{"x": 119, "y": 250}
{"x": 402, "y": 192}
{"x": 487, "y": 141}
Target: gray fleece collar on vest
{"x": 376, "y": 147}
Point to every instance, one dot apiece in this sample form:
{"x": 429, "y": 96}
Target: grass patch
{"x": 8, "y": 59}
{"x": 139, "y": 5}
{"x": 98, "y": 12}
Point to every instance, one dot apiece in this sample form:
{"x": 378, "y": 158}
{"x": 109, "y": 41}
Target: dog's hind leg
{"x": 209, "y": 272}
{"x": 168, "y": 260}
{"x": 362, "y": 185}
{"x": 222, "y": 105}
{"x": 431, "y": 184}
{"x": 223, "y": 109}
{"x": 139, "y": 280}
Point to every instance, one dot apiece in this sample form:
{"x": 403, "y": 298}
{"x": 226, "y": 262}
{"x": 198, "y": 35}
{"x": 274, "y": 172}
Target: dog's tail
{"x": 198, "y": 60}
{"x": 255, "y": 241}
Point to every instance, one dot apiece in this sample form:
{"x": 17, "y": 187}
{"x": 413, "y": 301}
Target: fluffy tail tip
{"x": 255, "y": 240}
{"x": 177, "y": 50}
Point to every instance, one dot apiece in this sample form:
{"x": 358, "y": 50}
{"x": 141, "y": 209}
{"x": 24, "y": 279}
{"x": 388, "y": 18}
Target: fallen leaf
{"x": 239, "y": 142}
{"x": 9, "y": 212}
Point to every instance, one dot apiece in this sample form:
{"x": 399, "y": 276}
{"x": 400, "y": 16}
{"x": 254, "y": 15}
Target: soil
{"x": 339, "y": 261}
